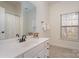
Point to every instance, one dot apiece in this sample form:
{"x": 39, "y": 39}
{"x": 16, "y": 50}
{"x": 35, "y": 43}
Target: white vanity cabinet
{"x": 39, "y": 51}
{"x": 34, "y": 48}
{"x": 20, "y": 56}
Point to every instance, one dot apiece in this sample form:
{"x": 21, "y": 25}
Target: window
{"x": 70, "y": 26}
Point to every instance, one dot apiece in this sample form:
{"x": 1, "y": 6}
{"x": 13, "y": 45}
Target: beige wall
{"x": 41, "y": 15}
{"x": 55, "y": 9}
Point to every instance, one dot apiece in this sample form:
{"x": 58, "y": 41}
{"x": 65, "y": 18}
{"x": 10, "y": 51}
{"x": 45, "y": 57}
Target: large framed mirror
{"x": 17, "y": 17}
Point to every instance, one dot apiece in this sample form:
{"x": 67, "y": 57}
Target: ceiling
{"x": 14, "y": 3}
{"x": 55, "y": 2}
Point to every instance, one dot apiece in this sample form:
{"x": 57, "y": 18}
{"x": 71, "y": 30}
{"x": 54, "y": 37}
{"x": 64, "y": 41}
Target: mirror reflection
{"x": 17, "y": 19}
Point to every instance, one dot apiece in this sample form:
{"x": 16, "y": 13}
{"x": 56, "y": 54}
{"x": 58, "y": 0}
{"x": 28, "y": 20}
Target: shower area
{"x": 12, "y": 25}
{"x": 10, "y": 20}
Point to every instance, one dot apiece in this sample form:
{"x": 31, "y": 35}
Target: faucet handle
{"x": 24, "y": 36}
{"x": 17, "y": 35}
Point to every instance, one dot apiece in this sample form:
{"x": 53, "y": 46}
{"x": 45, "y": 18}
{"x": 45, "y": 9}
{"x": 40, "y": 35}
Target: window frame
{"x": 61, "y": 26}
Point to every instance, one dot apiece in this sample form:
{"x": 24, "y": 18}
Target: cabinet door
{"x": 32, "y": 53}
{"x": 29, "y": 54}
{"x": 46, "y": 53}
{"x": 46, "y": 48}
{"x": 20, "y": 56}
{"x": 40, "y": 54}
{"x": 43, "y": 54}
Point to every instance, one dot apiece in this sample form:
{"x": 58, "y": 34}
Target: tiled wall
{"x": 60, "y": 52}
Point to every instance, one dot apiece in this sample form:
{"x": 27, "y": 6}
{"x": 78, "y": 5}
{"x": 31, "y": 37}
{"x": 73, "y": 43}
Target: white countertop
{"x": 11, "y": 48}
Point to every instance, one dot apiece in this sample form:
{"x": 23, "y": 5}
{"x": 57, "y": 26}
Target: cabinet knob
{"x": 2, "y": 32}
{"x": 47, "y": 48}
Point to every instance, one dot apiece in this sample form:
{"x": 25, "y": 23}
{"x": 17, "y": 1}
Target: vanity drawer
{"x": 20, "y": 56}
{"x": 34, "y": 51}
{"x": 41, "y": 54}
{"x": 46, "y": 51}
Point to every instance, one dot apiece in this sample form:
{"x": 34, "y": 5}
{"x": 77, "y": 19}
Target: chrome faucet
{"x": 17, "y": 35}
{"x": 23, "y": 38}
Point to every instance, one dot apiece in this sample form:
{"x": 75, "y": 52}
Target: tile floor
{"x": 60, "y": 52}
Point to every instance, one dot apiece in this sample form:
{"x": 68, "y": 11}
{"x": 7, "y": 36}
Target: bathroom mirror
{"x": 17, "y": 17}
{"x": 29, "y": 18}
